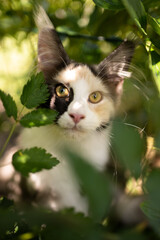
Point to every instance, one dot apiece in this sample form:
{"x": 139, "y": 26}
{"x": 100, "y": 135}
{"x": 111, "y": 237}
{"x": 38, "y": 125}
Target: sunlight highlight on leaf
{"x": 39, "y": 117}
{"x": 33, "y": 160}
{"x": 137, "y": 12}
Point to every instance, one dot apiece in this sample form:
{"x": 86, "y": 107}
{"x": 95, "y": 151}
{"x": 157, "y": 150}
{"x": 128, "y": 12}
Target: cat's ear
{"x": 113, "y": 69}
{"x": 51, "y": 54}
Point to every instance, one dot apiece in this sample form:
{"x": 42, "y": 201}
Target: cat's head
{"x": 84, "y": 96}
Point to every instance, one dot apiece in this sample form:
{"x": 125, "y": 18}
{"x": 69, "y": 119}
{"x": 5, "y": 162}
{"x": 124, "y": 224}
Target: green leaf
{"x": 155, "y": 66}
{"x": 39, "y": 117}
{"x": 153, "y": 31}
{"x": 95, "y": 185}
{"x": 33, "y": 160}
{"x": 151, "y": 206}
{"x": 137, "y": 12}
{"x": 157, "y": 141}
{"x": 153, "y": 215}
{"x": 128, "y": 147}
{"x": 109, "y": 4}
{"x": 154, "y": 23}
{"x": 35, "y": 92}
{"x": 9, "y": 105}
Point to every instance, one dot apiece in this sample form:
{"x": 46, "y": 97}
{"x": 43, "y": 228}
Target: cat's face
{"x": 82, "y": 100}
{"x": 84, "y": 96}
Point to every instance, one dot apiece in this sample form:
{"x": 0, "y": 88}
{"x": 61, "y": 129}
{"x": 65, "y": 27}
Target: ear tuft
{"x": 41, "y": 18}
{"x": 113, "y": 69}
{"x": 51, "y": 54}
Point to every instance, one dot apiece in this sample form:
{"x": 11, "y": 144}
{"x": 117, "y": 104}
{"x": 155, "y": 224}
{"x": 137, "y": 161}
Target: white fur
{"x": 61, "y": 180}
{"x": 82, "y": 138}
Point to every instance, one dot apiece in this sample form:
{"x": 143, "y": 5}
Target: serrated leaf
{"x": 35, "y": 92}
{"x": 9, "y": 104}
{"x": 128, "y": 146}
{"x": 33, "y": 160}
{"x": 137, "y": 12}
{"x": 109, "y": 4}
{"x": 39, "y": 117}
{"x": 99, "y": 198}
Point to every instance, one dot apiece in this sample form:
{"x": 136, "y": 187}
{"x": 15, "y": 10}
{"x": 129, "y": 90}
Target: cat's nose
{"x": 76, "y": 117}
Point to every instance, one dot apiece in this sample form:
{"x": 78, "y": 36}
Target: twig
{"x": 9, "y": 137}
{"x": 94, "y": 38}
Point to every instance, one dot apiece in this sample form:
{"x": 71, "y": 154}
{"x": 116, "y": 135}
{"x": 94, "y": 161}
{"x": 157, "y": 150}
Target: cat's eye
{"x": 62, "y": 91}
{"x": 95, "y": 97}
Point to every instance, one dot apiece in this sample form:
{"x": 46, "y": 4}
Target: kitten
{"x": 86, "y": 98}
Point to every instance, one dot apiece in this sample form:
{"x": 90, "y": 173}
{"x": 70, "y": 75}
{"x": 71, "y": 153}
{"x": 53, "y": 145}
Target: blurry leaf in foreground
{"x": 154, "y": 23}
{"x": 35, "y": 92}
{"x": 65, "y": 225}
{"x": 8, "y": 218}
{"x": 153, "y": 31}
{"x": 128, "y": 146}
{"x": 109, "y": 4}
{"x": 157, "y": 141}
{"x": 151, "y": 206}
{"x": 33, "y": 160}
{"x": 5, "y": 203}
{"x": 8, "y": 222}
{"x": 131, "y": 234}
{"x": 9, "y": 104}
{"x": 39, "y": 117}
{"x": 155, "y": 66}
{"x": 96, "y": 186}
{"x": 137, "y": 12}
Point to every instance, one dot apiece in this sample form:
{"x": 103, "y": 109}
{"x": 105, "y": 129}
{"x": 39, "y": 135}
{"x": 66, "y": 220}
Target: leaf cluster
{"x": 128, "y": 145}
{"x": 34, "y": 93}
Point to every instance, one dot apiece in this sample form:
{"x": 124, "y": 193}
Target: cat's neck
{"x": 92, "y": 146}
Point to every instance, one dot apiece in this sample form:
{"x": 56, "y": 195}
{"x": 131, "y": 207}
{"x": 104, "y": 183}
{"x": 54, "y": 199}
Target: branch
{"x": 93, "y": 38}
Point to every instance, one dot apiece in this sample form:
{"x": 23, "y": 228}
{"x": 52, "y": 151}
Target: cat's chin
{"x": 74, "y": 132}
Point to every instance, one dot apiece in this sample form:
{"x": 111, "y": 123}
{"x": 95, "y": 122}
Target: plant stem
{"x": 19, "y": 115}
{"x": 11, "y": 133}
{"x": 9, "y": 137}
{"x": 93, "y": 38}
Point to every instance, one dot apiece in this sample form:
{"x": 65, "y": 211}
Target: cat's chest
{"x": 94, "y": 147}
{"x": 60, "y": 182}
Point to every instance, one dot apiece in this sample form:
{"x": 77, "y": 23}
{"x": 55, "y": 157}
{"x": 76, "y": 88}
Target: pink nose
{"x": 76, "y": 117}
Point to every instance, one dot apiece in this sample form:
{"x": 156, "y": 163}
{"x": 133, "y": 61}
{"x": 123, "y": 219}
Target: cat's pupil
{"x": 95, "y": 95}
{"x": 62, "y": 90}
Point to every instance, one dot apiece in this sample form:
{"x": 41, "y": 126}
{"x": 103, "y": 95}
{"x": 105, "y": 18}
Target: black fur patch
{"x": 61, "y": 104}
{"x": 57, "y": 103}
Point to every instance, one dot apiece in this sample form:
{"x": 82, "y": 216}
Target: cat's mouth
{"x": 74, "y": 130}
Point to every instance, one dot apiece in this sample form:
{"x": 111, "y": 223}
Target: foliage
{"x": 9, "y": 104}
{"x": 82, "y": 23}
{"x": 35, "y": 92}
{"x": 125, "y": 137}
{"x": 99, "y": 200}
{"x": 38, "y": 117}
{"x": 33, "y": 160}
